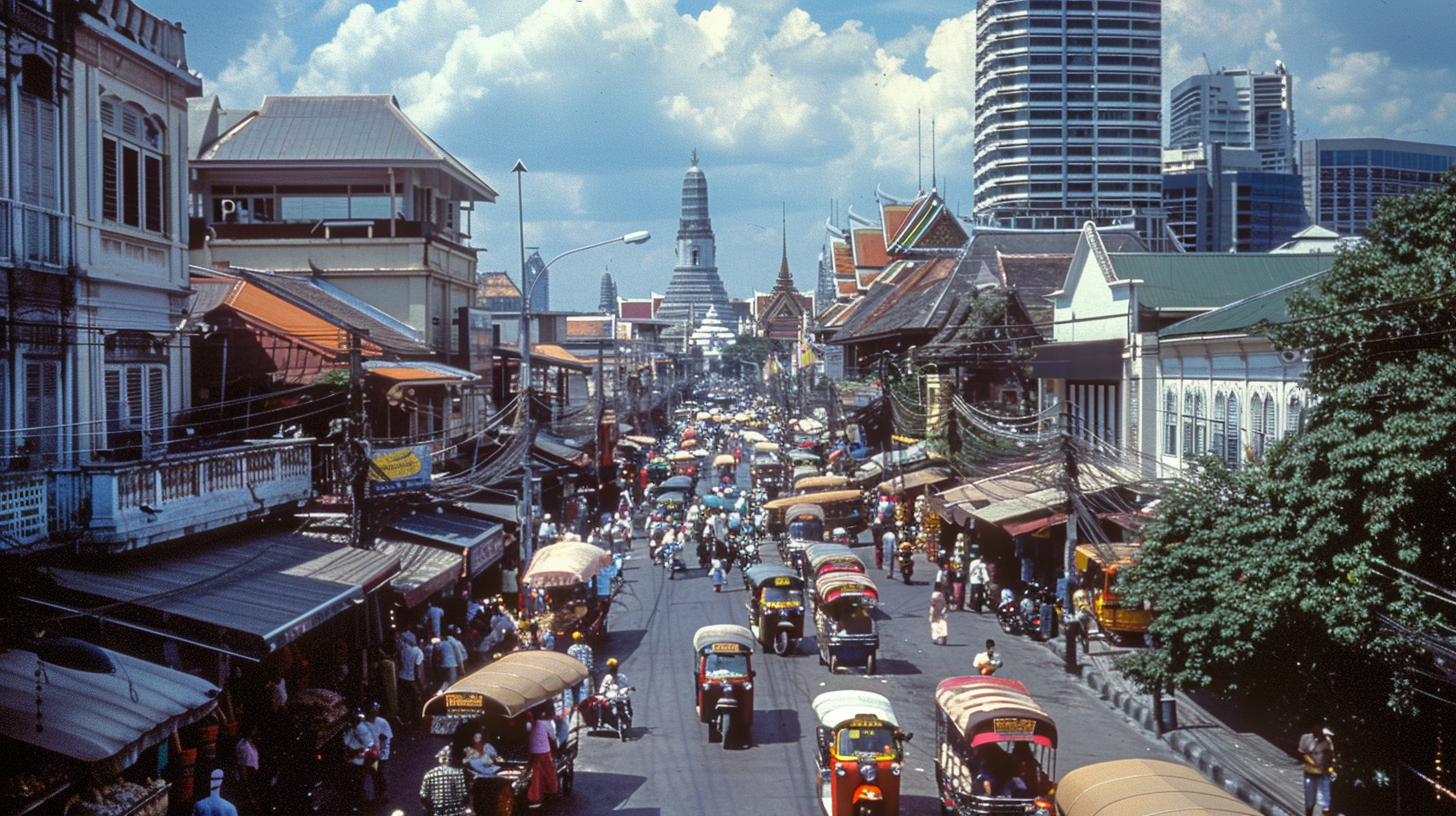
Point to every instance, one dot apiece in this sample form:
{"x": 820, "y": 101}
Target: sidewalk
{"x": 1241, "y": 761}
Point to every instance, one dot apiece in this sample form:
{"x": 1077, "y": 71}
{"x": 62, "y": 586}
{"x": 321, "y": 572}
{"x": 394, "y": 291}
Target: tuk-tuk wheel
{"x": 833, "y": 664}
{"x": 870, "y": 665}
{"x": 781, "y": 643}
{"x": 567, "y": 782}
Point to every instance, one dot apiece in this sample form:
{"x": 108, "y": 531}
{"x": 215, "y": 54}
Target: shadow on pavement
{"x": 919, "y": 806}
{"x": 609, "y": 790}
{"x": 621, "y": 643}
{"x": 895, "y": 665}
{"x": 776, "y": 726}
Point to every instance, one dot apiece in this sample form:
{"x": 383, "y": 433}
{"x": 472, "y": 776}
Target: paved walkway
{"x": 1246, "y": 764}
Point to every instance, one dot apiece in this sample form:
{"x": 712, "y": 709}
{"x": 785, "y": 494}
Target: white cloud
{"x": 1366, "y": 93}
{"x": 257, "y": 73}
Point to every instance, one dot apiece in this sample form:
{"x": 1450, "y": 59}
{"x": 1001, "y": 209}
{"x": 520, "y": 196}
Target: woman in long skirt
{"x": 939, "y": 629}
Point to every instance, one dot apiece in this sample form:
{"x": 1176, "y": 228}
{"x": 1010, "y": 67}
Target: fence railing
{"x": 30, "y": 235}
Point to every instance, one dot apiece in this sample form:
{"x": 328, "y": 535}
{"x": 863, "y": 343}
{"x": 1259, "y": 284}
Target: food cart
{"x": 844, "y": 622}
{"x": 989, "y": 732}
{"x": 575, "y": 601}
{"x": 496, "y": 699}
{"x": 859, "y": 754}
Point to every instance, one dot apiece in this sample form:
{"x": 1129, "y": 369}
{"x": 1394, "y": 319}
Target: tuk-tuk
{"x": 842, "y": 618}
{"x": 822, "y": 559}
{"x": 723, "y": 679}
{"x": 803, "y": 472}
{"x": 792, "y": 550}
{"x": 684, "y": 463}
{"x": 495, "y": 700}
{"x": 727, "y": 466}
{"x": 575, "y": 599}
{"x": 768, "y": 473}
{"x": 837, "y": 508}
{"x": 995, "y": 748}
{"x": 1099, "y": 598}
{"x": 815, "y": 484}
{"x": 658, "y": 470}
{"x": 801, "y": 456}
{"x": 1143, "y": 786}
{"x": 859, "y": 754}
{"x": 775, "y": 606}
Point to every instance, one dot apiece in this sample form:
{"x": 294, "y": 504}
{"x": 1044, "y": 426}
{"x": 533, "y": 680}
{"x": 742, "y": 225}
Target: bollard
{"x": 1168, "y": 712}
{"x": 1158, "y": 711}
{"x": 1072, "y": 628}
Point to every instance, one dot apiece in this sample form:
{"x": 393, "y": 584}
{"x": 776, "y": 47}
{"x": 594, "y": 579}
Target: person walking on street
{"x": 978, "y": 577}
{"x": 939, "y": 629}
{"x": 887, "y": 551}
{"x": 987, "y": 662}
{"x": 383, "y": 737}
{"x": 1317, "y": 749}
{"x": 444, "y": 791}
{"x": 360, "y": 743}
{"x": 539, "y": 741}
{"x": 213, "y": 804}
{"x": 583, "y": 652}
{"x": 411, "y": 673}
{"x": 716, "y": 571}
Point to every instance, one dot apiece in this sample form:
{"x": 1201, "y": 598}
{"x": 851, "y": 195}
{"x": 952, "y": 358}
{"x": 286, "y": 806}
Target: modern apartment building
{"x": 1237, "y": 108}
{"x": 1343, "y": 178}
{"x": 1068, "y": 107}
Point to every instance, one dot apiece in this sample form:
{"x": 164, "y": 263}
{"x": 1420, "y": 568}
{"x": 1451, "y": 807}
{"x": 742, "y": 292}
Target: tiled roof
{"x": 589, "y": 327}
{"x": 928, "y": 226}
{"x": 354, "y": 129}
{"x": 497, "y": 284}
{"x": 555, "y": 353}
{"x": 1209, "y": 280}
{"x": 843, "y": 260}
{"x": 1032, "y": 278}
{"x": 894, "y": 216}
{"x": 988, "y": 245}
{"x": 919, "y": 300}
{"x": 869, "y": 248}
{"x": 846, "y": 287}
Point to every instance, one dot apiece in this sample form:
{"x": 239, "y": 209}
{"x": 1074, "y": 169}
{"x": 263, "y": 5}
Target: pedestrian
{"x": 1317, "y": 749}
{"x": 716, "y": 571}
{"x": 986, "y": 663}
{"x": 360, "y": 743}
{"x": 957, "y": 586}
{"x": 886, "y": 551}
{"x": 213, "y": 804}
{"x": 444, "y": 791}
{"x": 580, "y": 650}
{"x": 547, "y": 532}
{"x": 939, "y": 629}
{"x": 383, "y": 738}
{"x": 978, "y": 577}
{"x": 247, "y": 754}
{"x": 434, "y": 614}
{"x": 461, "y": 655}
{"x": 539, "y": 741}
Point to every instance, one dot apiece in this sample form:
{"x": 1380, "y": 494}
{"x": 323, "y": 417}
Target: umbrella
{"x": 715, "y": 502}
{"x": 723, "y": 459}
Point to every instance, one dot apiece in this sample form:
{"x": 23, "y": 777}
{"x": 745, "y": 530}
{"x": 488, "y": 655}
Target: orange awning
{"x": 407, "y": 374}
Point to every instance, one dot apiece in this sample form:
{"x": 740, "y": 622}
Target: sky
{"x": 804, "y": 108}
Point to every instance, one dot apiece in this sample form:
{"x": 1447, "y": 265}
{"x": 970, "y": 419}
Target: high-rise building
{"x": 1068, "y": 108}
{"x": 1237, "y": 108}
{"x": 1343, "y": 178}
{"x": 695, "y": 284}
{"x": 538, "y": 281}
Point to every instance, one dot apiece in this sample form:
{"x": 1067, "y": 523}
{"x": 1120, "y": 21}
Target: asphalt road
{"x": 668, "y": 768}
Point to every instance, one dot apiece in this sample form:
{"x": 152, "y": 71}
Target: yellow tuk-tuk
{"x": 1098, "y": 600}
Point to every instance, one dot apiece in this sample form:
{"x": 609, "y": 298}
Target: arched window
{"x": 1170, "y": 424}
{"x": 1257, "y": 431}
{"x": 1294, "y": 417}
{"x": 133, "y": 167}
{"x": 1189, "y": 451}
{"x": 1234, "y": 450}
{"x": 1271, "y": 420}
{"x": 1200, "y": 425}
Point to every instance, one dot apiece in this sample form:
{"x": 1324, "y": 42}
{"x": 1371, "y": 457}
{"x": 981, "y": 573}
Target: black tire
{"x": 568, "y": 781}
{"x": 781, "y": 643}
{"x": 725, "y": 727}
{"x": 870, "y": 664}
{"x": 713, "y": 735}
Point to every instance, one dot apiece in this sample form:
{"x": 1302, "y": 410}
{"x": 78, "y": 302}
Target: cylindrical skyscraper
{"x": 1068, "y": 104}
{"x": 695, "y": 283}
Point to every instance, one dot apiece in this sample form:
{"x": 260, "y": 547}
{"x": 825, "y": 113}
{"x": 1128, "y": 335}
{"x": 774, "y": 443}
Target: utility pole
{"x": 524, "y": 344}
{"x": 358, "y": 444}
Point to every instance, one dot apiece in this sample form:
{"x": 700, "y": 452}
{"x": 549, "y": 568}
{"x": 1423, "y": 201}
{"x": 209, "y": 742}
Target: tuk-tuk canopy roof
{"x": 827, "y": 497}
{"x": 564, "y": 564}
{"x": 724, "y": 459}
{"x": 676, "y": 483}
{"x": 1097, "y": 553}
{"x": 510, "y": 686}
{"x": 766, "y": 446}
{"x": 803, "y": 470}
{"x": 723, "y": 633}
{"x": 681, "y": 456}
{"x": 837, "y": 708}
{"x": 715, "y": 502}
{"x": 1133, "y": 787}
{"x": 821, "y": 482}
{"x": 642, "y": 440}
{"x": 834, "y": 586}
{"x": 805, "y": 456}
{"x": 753, "y": 436}
{"x": 761, "y": 574}
{"x": 826, "y": 549}
{"x": 993, "y": 709}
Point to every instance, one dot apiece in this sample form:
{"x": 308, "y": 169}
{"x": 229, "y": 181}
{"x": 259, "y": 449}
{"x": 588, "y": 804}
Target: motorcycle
{"x": 907, "y": 566}
{"x": 668, "y": 557}
{"x": 1008, "y": 616}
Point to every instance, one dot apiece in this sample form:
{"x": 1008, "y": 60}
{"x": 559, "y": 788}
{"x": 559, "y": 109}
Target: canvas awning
{"x": 479, "y": 541}
{"x": 423, "y": 569}
{"x": 262, "y": 592}
{"x": 901, "y": 485}
{"x": 1041, "y": 503}
{"x": 97, "y": 717}
{"x": 1027, "y": 527}
{"x": 1086, "y": 360}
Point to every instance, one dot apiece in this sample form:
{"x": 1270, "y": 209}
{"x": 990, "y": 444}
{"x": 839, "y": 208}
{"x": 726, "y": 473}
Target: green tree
{"x": 745, "y": 355}
{"x": 1294, "y": 582}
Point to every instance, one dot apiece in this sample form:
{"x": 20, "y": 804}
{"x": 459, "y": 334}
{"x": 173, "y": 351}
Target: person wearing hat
{"x": 614, "y": 682}
{"x": 1317, "y": 749}
{"x": 580, "y": 650}
{"x": 213, "y": 804}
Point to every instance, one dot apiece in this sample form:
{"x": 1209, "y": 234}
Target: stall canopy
{"x": 97, "y": 717}
{"x": 423, "y": 569}
{"x": 480, "y": 542}
{"x": 1132, "y": 787}
{"x": 263, "y": 592}
{"x": 492, "y": 504}
{"x": 565, "y": 564}
{"x": 900, "y": 485}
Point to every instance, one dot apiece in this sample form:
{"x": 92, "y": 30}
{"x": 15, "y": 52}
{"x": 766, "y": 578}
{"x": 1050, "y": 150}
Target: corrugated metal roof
{"x": 336, "y": 129}
{"x": 1210, "y": 280}
{"x": 1271, "y": 306}
{"x": 304, "y": 298}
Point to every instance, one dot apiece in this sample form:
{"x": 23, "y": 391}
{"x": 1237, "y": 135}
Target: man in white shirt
{"x": 383, "y": 736}
{"x": 411, "y": 676}
{"x": 547, "y": 531}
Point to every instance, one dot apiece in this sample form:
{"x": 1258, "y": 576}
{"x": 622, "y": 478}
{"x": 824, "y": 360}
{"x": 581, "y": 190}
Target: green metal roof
{"x": 1271, "y": 306}
{"x": 1211, "y": 280}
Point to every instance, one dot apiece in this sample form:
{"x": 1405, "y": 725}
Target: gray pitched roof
{"x": 1238, "y": 317}
{"x": 364, "y": 129}
{"x": 1209, "y": 280}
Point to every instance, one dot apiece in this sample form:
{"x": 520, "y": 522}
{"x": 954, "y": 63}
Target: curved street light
{"x": 524, "y": 343}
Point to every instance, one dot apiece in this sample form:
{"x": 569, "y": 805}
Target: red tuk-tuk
{"x": 859, "y": 754}
{"x": 723, "y": 679}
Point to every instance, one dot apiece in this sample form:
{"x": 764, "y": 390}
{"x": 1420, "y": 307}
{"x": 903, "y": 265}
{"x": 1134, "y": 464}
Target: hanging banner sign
{"x": 395, "y": 469}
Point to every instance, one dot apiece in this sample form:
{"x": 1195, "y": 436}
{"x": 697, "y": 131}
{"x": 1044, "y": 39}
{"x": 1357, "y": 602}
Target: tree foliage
{"x": 1288, "y": 583}
{"x": 745, "y": 354}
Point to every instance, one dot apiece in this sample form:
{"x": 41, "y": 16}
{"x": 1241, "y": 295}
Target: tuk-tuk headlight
{"x": 839, "y": 771}
{"x": 707, "y": 686}
{"x": 868, "y": 771}
{"x": 748, "y": 687}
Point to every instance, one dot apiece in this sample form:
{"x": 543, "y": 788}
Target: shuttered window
{"x": 133, "y": 169}
{"x": 42, "y": 407}
{"x": 39, "y": 160}
{"x": 136, "y": 409}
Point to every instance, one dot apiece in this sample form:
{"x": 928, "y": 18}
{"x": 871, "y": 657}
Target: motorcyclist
{"x": 615, "y": 686}
{"x": 907, "y": 561}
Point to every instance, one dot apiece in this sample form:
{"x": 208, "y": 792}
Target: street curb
{"x": 1180, "y": 741}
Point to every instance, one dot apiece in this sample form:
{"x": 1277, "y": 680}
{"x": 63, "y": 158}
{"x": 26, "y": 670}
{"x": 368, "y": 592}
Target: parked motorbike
{"x": 1008, "y": 616}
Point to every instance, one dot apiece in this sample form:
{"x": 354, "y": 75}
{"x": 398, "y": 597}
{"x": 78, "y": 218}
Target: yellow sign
{"x": 728, "y": 647}
{"x": 1014, "y": 726}
{"x": 399, "y": 468}
{"x": 783, "y": 580}
{"x": 464, "y": 702}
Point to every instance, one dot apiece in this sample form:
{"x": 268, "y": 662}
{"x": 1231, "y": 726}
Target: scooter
{"x": 907, "y": 566}
{"x": 1008, "y": 616}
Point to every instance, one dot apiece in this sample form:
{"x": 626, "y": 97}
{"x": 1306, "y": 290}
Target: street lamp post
{"x": 527, "y": 522}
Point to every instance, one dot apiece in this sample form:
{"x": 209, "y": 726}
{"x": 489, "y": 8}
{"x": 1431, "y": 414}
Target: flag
{"x": 806, "y": 356}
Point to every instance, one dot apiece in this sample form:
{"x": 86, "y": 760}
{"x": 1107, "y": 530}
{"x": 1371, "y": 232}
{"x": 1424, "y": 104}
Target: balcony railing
{"x": 126, "y": 505}
{"x": 32, "y": 236}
